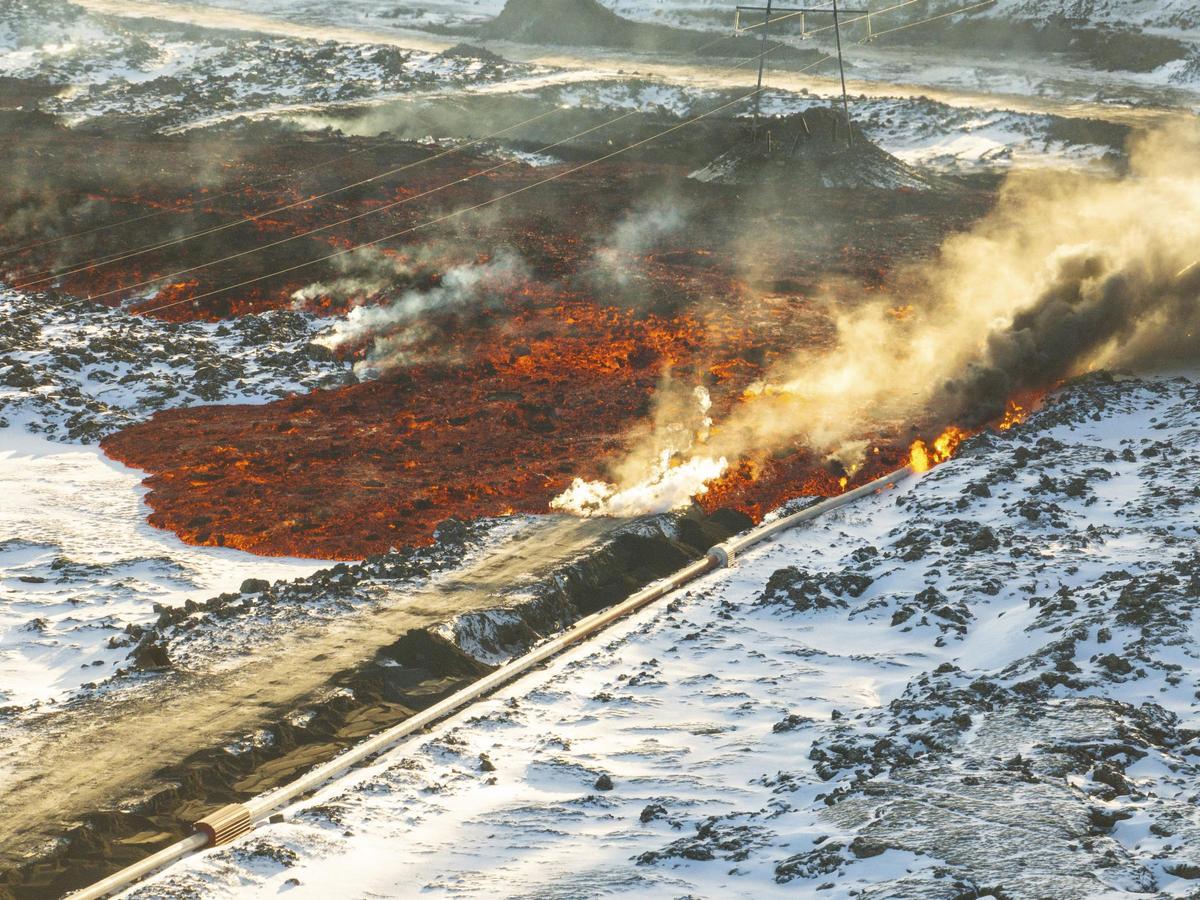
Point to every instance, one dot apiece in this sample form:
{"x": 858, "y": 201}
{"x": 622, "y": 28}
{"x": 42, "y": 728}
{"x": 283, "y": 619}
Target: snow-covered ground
{"x": 77, "y": 371}
{"x": 108, "y": 66}
{"x": 918, "y": 130}
{"x": 1167, "y": 73}
{"x": 982, "y": 683}
{"x": 79, "y": 563}
{"x": 715, "y": 14}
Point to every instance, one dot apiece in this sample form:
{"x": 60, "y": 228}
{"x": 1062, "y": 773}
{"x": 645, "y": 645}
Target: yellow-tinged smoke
{"x": 1070, "y": 272}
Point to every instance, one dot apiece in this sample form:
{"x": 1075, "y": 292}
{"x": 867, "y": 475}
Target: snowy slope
{"x": 980, "y": 684}
{"x": 79, "y": 564}
{"x": 78, "y": 561}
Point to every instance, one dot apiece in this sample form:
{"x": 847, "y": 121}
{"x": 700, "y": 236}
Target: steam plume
{"x": 1070, "y": 272}
{"x": 617, "y": 262}
{"x": 654, "y": 478}
{"x": 396, "y": 331}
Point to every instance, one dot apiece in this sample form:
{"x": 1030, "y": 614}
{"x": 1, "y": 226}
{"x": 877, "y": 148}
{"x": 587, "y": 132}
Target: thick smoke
{"x": 1069, "y": 273}
{"x": 401, "y": 329}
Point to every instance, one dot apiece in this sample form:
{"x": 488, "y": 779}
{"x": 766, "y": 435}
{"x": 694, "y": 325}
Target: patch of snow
{"x": 77, "y": 371}
{"x": 79, "y": 563}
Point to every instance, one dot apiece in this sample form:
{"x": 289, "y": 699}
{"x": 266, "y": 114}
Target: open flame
{"x": 923, "y": 457}
{"x": 1014, "y": 414}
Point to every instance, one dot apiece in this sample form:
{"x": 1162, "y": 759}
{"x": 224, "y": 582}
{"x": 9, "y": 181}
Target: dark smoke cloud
{"x": 1089, "y": 307}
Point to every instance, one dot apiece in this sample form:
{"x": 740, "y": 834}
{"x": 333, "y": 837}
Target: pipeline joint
{"x": 722, "y": 557}
{"x": 225, "y": 824}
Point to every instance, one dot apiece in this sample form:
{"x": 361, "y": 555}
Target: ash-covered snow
{"x": 77, "y": 371}
{"x": 982, "y": 683}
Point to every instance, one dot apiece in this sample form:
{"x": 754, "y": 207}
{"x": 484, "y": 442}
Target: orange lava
{"x": 529, "y": 392}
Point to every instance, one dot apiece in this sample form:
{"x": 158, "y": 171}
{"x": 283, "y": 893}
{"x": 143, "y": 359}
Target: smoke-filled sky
{"x": 1070, "y": 272}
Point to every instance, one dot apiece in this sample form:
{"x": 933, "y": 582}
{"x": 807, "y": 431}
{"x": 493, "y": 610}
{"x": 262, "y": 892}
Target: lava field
{"x": 502, "y": 401}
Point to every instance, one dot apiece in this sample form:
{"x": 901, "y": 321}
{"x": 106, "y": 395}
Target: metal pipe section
{"x": 118, "y": 881}
{"x": 232, "y": 821}
{"x": 743, "y": 542}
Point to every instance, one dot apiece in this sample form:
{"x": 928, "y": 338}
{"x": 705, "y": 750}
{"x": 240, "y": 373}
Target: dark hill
{"x": 809, "y": 150}
{"x": 586, "y": 23}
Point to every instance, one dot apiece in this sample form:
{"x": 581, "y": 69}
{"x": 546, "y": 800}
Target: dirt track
{"x": 97, "y": 754}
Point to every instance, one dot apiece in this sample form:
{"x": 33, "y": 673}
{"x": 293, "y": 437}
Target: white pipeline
{"x": 234, "y": 820}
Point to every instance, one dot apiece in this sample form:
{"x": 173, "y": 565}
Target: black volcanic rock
{"x": 811, "y": 150}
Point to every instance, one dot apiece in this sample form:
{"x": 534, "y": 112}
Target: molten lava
{"x": 923, "y": 457}
{"x": 510, "y": 400}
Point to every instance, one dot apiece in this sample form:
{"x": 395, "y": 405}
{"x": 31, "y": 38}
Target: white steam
{"x": 398, "y": 332}
{"x": 668, "y": 486}
{"x": 616, "y": 264}
{"x": 676, "y": 472}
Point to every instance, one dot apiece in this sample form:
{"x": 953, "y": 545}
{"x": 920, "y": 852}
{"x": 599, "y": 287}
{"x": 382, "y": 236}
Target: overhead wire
{"x": 379, "y": 209}
{"x": 452, "y": 215}
{"x": 182, "y": 207}
{"x": 46, "y": 275}
{"x": 121, "y": 256}
{"x": 945, "y": 15}
{"x": 523, "y": 189}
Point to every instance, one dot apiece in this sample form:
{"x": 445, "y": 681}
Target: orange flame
{"x": 922, "y": 457}
{"x": 1014, "y": 414}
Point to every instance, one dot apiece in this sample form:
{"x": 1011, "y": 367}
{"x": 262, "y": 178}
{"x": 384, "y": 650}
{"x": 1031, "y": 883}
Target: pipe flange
{"x": 722, "y": 558}
{"x": 226, "y": 824}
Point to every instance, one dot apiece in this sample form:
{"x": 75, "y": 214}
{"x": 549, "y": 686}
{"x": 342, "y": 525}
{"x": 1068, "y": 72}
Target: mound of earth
{"x": 586, "y": 23}
{"x": 470, "y": 51}
{"x": 810, "y": 149}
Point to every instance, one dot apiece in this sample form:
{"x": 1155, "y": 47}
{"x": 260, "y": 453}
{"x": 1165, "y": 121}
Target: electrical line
{"x": 120, "y": 256}
{"x": 458, "y": 212}
{"x": 497, "y": 199}
{"x": 149, "y": 248}
{"x": 953, "y": 12}
{"x": 393, "y": 204}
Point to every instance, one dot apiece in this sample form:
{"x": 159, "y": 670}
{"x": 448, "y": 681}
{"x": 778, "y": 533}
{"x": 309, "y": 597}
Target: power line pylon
{"x": 784, "y": 13}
